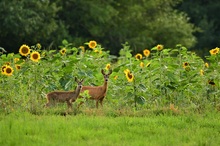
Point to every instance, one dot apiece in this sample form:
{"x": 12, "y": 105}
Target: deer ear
{"x": 103, "y": 72}
{"x": 110, "y": 72}
{"x": 76, "y": 79}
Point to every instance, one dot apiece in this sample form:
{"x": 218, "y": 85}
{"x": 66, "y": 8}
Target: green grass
{"x": 84, "y": 129}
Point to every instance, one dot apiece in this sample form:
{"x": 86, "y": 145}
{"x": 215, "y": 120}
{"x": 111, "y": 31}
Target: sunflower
{"x": 146, "y": 52}
{"x": 17, "y": 66}
{"x": 3, "y": 69}
{"x": 214, "y": 51}
{"x": 96, "y": 50}
{"x": 8, "y": 70}
{"x": 206, "y": 65}
{"x": 24, "y": 50}
{"x": 92, "y": 44}
{"x": 35, "y": 56}
{"x": 63, "y": 51}
{"x": 127, "y": 70}
{"x": 38, "y": 45}
{"x": 115, "y": 77}
{"x": 159, "y": 47}
{"x": 142, "y": 64}
{"x": 82, "y": 48}
{"x": 138, "y": 56}
{"x": 185, "y": 64}
{"x": 16, "y": 60}
{"x": 108, "y": 66}
{"x": 129, "y": 76}
{"x": 201, "y": 72}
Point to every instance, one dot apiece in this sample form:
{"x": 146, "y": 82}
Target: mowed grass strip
{"x": 27, "y": 129}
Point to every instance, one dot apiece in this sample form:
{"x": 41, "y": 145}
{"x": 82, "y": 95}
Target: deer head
{"x": 106, "y": 76}
{"x": 79, "y": 82}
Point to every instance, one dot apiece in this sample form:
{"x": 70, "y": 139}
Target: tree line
{"x": 141, "y": 23}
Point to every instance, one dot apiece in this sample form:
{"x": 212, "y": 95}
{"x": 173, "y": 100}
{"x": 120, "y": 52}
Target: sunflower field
{"x": 158, "y": 78}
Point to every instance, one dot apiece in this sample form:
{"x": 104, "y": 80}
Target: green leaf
{"x": 65, "y": 42}
{"x": 140, "y": 100}
{"x": 142, "y": 87}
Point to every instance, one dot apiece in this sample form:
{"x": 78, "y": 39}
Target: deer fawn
{"x": 98, "y": 92}
{"x": 65, "y": 96}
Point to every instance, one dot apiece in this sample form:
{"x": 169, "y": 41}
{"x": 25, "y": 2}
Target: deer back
{"x": 95, "y": 92}
{"x": 60, "y": 96}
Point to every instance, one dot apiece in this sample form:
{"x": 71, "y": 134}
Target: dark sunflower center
{"x": 24, "y": 50}
{"x": 93, "y": 44}
{"x": 35, "y": 56}
{"x": 130, "y": 76}
{"x": 8, "y": 70}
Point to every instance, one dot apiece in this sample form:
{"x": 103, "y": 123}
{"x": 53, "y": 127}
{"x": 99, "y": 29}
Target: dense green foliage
{"x": 28, "y": 21}
{"x": 142, "y": 24}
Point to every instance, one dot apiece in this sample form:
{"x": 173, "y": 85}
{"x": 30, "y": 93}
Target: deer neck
{"x": 77, "y": 90}
{"x": 105, "y": 86}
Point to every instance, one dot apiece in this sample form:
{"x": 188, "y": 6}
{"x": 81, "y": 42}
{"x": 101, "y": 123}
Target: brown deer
{"x": 98, "y": 92}
{"x": 65, "y": 96}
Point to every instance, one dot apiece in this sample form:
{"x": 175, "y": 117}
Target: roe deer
{"x": 98, "y": 92}
{"x": 65, "y": 96}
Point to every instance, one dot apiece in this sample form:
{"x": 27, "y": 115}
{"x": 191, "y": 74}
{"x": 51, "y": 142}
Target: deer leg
{"x": 69, "y": 104}
{"x": 97, "y": 103}
{"x": 101, "y": 101}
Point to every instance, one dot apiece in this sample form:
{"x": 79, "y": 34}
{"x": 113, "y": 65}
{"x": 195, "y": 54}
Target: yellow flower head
{"x": 108, "y": 66}
{"x": 115, "y": 77}
{"x": 63, "y": 51}
{"x": 201, "y": 72}
{"x": 138, "y": 56}
{"x": 82, "y": 48}
{"x": 142, "y": 64}
{"x": 38, "y": 45}
{"x": 159, "y": 47}
{"x": 92, "y": 44}
{"x": 18, "y": 67}
{"x": 206, "y": 65}
{"x": 185, "y": 64}
{"x": 24, "y": 50}
{"x": 8, "y": 70}
{"x": 129, "y": 76}
{"x": 214, "y": 51}
{"x": 96, "y": 50}
{"x": 126, "y": 71}
{"x": 35, "y": 56}
{"x": 146, "y": 52}
{"x": 16, "y": 60}
{"x": 3, "y": 69}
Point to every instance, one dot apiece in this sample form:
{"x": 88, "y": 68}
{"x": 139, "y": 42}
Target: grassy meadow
{"x": 161, "y": 96}
{"x": 84, "y": 129}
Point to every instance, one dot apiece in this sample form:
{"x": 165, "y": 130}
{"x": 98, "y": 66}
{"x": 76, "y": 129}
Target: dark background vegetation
{"x": 142, "y": 23}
